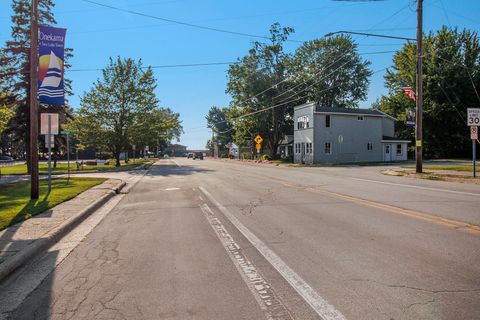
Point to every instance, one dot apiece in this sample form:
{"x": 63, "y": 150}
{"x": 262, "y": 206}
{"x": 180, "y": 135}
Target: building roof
{"x": 393, "y": 139}
{"x": 350, "y": 111}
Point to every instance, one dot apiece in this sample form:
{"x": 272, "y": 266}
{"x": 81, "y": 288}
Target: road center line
{"x": 455, "y": 224}
{"x": 321, "y": 306}
{"x": 178, "y": 165}
{"x": 418, "y": 187}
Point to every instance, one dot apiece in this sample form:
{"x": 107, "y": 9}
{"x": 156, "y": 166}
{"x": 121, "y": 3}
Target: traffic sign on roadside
{"x": 258, "y": 146}
{"x": 258, "y": 139}
{"x": 473, "y": 117}
{"x": 474, "y": 133}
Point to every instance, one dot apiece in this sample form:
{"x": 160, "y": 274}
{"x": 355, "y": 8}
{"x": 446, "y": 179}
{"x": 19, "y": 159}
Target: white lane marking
{"x": 321, "y": 306}
{"x": 179, "y": 165}
{"x": 418, "y": 187}
{"x": 261, "y": 290}
{"x": 171, "y": 189}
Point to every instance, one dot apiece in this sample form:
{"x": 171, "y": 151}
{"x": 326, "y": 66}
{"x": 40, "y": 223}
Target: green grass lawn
{"x": 63, "y": 167}
{"x": 16, "y": 206}
{"x": 445, "y": 167}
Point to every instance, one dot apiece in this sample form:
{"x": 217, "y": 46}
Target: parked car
{"x": 6, "y": 158}
{"x": 190, "y": 155}
{"x": 198, "y": 155}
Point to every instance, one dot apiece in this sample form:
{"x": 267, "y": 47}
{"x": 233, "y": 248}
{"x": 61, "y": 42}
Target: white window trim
{"x": 325, "y": 147}
{"x": 401, "y": 149}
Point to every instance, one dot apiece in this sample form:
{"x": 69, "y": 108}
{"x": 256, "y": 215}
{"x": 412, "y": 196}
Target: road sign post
{"x": 474, "y": 137}
{"x": 473, "y": 121}
{"x": 68, "y": 133}
{"x": 49, "y": 138}
{"x": 258, "y": 146}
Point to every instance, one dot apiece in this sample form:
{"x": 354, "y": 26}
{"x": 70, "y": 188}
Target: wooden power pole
{"x": 33, "y": 100}
{"x": 419, "y": 89}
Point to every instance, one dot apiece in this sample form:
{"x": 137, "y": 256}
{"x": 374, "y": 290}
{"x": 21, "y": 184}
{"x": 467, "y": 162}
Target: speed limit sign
{"x": 473, "y": 117}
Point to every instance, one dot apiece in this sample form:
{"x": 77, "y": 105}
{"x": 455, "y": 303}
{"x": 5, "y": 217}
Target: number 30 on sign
{"x": 473, "y": 118}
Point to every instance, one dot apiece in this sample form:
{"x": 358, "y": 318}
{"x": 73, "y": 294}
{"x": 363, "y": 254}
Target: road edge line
{"x": 321, "y": 306}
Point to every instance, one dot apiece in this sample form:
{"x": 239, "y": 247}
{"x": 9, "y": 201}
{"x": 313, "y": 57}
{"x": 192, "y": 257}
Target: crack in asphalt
{"x": 401, "y": 286}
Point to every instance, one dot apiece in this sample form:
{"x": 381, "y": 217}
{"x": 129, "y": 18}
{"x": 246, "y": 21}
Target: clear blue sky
{"x": 97, "y": 33}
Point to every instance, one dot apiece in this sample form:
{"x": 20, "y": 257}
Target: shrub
{"x": 266, "y": 157}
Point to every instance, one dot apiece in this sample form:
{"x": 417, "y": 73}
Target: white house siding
{"x": 303, "y": 136}
{"x": 348, "y": 137}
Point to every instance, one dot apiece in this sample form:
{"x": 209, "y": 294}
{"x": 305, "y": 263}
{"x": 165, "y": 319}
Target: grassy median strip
{"x": 16, "y": 206}
{"x": 63, "y": 167}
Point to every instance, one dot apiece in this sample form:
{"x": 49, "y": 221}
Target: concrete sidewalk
{"x": 20, "y": 242}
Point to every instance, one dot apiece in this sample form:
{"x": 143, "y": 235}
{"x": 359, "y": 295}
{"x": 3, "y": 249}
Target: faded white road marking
{"x": 178, "y": 165}
{"x": 261, "y": 290}
{"x": 418, "y": 187}
{"x": 171, "y": 189}
{"x": 321, "y": 306}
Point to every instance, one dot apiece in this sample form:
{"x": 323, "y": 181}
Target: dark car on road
{"x": 190, "y": 155}
{"x": 198, "y": 155}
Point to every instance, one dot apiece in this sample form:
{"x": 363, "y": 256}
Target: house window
{"x": 369, "y": 146}
{"x": 297, "y": 148}
{"x": 360, "y": 118}
{"x": 399, "y": 149}
{"x": 309, "y": 148}
{"x": 328, "y": 148}
{"x": 303, "y": 122}
{"x": 327, "y": 121}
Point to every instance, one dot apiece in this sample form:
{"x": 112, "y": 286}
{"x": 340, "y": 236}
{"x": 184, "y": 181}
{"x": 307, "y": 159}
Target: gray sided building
{"x": 341, "y": 135}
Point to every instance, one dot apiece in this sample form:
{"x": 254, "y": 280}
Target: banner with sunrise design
{"x": 51, "y": 44}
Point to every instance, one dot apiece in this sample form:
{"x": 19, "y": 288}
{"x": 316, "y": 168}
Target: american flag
{"x": 408, "y": 90}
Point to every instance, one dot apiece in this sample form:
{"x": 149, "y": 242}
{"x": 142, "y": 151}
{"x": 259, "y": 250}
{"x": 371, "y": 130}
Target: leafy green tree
{"x": 451, "y": 83}
{"x": 156, "y": 128}
{"x": 122, "y": 98}
{"x": 222, "y": 128}
{"x": 254, "y": 83}
{"x": 329, "y": 71}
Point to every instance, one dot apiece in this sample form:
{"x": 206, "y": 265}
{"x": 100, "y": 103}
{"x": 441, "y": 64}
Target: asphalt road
{"x": 223, "y": 240}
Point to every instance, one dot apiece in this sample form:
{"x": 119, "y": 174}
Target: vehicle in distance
{"x": 6, "y": 158}
{"x": 198, "y": 155}
{"x": 190, "y": 155}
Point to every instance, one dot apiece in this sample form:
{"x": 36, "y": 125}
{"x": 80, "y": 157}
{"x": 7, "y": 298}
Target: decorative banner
{"x": 410, "y": 118}
{"x": 51, "y": 43}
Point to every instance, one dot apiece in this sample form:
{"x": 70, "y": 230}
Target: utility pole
{"x": 419, "y": 89}
{"x": 33, "y": 100}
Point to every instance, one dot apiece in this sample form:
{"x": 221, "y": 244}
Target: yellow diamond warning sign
{"x": 258, "y": 139}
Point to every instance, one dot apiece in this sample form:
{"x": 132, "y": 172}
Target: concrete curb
{"x": 56, "y": 234}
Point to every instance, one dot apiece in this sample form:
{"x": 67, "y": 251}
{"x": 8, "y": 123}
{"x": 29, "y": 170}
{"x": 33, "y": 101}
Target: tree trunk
{"x": 117, "y": 158}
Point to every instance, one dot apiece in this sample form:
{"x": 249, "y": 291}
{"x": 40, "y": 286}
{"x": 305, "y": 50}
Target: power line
{"x": 181, "y": 22}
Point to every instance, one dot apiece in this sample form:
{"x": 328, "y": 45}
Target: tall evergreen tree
{"x": 15, "y": 67}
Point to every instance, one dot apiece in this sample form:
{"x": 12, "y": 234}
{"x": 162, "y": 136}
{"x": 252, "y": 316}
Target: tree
{"x": 15, "y": 69}
{"x": 223, "y": 130}
{"x": 255, "y": 82}
{"x": 330, "y": 72}
{"x": 451, "y": 83}
{"x": 156, "y": 128}
{"x": 6, "y": 113}
{"x": 116, "y": 105}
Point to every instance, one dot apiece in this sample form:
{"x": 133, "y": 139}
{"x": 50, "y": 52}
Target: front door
{"x": 388, "y": 153}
